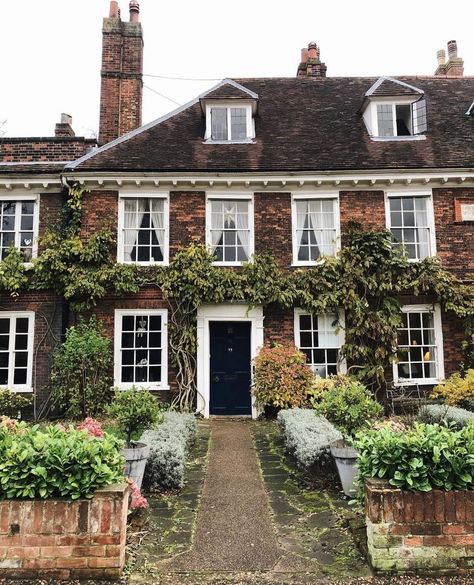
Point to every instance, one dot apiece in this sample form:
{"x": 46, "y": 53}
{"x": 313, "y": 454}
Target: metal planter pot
{"x": 346, "y": 459}
{"x": 136, "y": 458}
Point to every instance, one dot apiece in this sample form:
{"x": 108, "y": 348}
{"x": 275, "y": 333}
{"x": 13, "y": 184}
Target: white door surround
{"x": 223, "y": 312}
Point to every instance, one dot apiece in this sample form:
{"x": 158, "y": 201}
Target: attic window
{"x": 226, "y": 123}
{"x": 401, "y": 119}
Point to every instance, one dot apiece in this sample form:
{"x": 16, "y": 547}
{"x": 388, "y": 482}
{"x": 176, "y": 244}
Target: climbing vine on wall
{"x": 364, "y": 281}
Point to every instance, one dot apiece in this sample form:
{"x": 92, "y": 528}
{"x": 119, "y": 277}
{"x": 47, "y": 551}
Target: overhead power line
{"x": 162, "y": 95}
{"x": 182, "y": 78}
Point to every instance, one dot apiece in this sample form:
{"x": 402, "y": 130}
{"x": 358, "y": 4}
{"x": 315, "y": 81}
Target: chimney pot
{"x": 64, "y": 127}
{"x": 313, "y": 51}
{"x": 452, "y": 49}
{"x": 441, "y": 55}
{"x": 311, "y": 65}
{"x": 134, "y": 11}
{"x": 304, "y": 55}
{"x": 114, "y": 9}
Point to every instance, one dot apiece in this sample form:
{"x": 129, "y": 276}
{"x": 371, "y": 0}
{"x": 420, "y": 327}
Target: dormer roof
{"x": 388, "y": 86}
{"x": 229, "y": 89}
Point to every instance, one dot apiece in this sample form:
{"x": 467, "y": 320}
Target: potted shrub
{"x": 134, "y": 411}
{"x": 282, "y": 378}
{"x": 350, "y": 407}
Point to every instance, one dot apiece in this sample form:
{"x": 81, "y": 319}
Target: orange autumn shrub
{"x": 282, "y": 377}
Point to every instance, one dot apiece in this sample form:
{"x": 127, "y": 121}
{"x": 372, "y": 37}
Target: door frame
{"x": 223, "y": 312}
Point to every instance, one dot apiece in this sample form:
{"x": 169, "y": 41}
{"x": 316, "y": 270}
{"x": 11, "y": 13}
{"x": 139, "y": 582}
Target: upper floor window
{"x": 230, "y": 229}
{"x": 420, "y": 346}
{"x": 143, "y": 229}
{"x": 318, "y": 337}
{"x": 410, "y": 219}
{"x": 229, "y": 123}
{"x": 315, "y": 229}
{"x": 19, "y": 226}
{"x": 141, "y": 348}
{"x": 16, "y": 350}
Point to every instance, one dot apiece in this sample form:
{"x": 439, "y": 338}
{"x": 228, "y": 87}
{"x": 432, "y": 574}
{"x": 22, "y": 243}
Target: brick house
{"x": 277, "y": 165}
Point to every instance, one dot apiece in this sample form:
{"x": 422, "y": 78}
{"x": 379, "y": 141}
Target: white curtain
{"x": 421, "y": 219}
{"x": 157, "y": 220}
{"x": 301, "y": 216}
{"x": 135, "y": 210}
{"x": 216, "y": 224}
{"x": 321, "y": 220}
{"x": 243, "y": 235}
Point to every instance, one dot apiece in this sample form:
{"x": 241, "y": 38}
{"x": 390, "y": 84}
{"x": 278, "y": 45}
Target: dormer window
{"x": 229, "y": 109}
{"x": 394, "y": 110}
{"x": 229, "y": 123}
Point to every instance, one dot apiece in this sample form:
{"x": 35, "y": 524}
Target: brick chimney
{"x": 122, "y": 70}
{"x": 311, "y": 65}
{"x": 455, "y": 65}
{"x": 64, "y": 127}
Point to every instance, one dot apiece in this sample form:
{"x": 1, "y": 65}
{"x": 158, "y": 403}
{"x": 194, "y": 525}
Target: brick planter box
{"x": 419, "y": 532}
{"x": 62, "y": 539}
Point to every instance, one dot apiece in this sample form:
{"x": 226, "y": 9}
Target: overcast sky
{"x": 50, "y": 49}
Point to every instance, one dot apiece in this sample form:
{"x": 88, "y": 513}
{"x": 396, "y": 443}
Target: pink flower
{"x": 92, "y": 426}
{"x": 138, "y": 501}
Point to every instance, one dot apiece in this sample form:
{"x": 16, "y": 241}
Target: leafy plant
{"x": 134, "y": 411}
{"x": 81, "y": 371}
{"x": 456, "y": 389}
{"x": 350, "y": 407}
{"x": 11, "y": 403}
{"x": 307, "y": 436}
{"x": 282, "y": 377}
{"x": 320, "y": 386}
{"x": 423, "y": 458}
{"x": 169, "y": 445}
{"x": 53, "y": 461}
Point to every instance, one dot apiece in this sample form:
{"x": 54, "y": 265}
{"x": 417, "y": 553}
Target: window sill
{"x": 397, "y": 138}
{"x": 309, "y": 264}
{"x": 418, "y": 382}
{"x": 21, "y": 389}
{"x": 146, "y": 386}
{"x": 159, "y": 263}
{"x": 247, "y": 141}
{"x": 230, "y": 263}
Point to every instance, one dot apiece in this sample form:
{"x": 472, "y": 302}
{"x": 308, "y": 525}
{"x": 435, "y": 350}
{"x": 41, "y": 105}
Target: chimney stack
{"x": 121, "y": 73}
{"x": 311, "y": 65}
{"x": 455, "y": 65}
{"x": 64, "y": 127}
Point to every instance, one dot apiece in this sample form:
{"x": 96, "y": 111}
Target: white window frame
{"x": 428, "y": 193}
{"x": 20, "y": 197}
{"x": 435, "y": 309}
{"x": 123, "y": 195}
{"x": 230, "y": 196}
{"x": 341, "y": 364}
{"x": 373, "y": 122}
{"x": 337, "y": 223}
{"x": 228, "y": 105}
{"x": 13, "y": 315}
{"x": 119, "y": 313}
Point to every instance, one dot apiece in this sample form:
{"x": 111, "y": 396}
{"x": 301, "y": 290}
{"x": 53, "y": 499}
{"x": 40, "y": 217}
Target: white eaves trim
{"x": 470, "y": 111}
{"x": 160, "y": 120}
{"x": 384, "y": 78}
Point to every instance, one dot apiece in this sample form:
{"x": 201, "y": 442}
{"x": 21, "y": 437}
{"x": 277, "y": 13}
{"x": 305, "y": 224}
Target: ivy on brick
{"x": 365, "y": 281}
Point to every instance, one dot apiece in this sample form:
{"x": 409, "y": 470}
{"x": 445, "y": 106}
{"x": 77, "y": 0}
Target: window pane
{"x": 219, "y": 124}
{"x": 417, "y": 348}
{"x": 238, "y": 119}
{"x": 385, "y": 119}
{"x": 319, "y": 342}
{"x": 20, "y": 376}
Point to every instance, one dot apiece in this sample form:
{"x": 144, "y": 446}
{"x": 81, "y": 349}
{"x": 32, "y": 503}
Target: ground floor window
{"x": 16, "y": 350}
{"x": 319, "y": 338}
{"x": 420, "y": 346}
{"x": 141, "y": 348}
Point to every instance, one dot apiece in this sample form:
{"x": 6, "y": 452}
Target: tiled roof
{"x": 387, "y": 87}
{"x": 303, "y": 125}
{"x": 229, "y": 89}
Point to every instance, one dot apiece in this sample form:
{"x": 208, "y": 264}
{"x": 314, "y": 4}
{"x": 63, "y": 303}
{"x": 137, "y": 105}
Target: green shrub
{"x": 447, "y": 415}
{"x": 56, "y": 461}
{"x": 282, "y": 377}
{"x": 11, "y": 403}
{"x": 456, "y": 389}
{"x": 349, "y": 407}
{"x": 81, "y": 373}
{"x": 320, "y": 386}
{"x": 422, "y": 458}
{"x": 134, "y": 411}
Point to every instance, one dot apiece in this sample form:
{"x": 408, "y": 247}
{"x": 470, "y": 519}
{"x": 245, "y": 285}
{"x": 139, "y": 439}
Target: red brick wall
{"x": 187, "y": 219}
{"x": 64, "y": 540}
{"x": 50, "y": 216}
{"x": 364, "y": 207}
{"x": 278, "y": 325}
{"x": 425, "y": 532}
{"x": 43, "y": 149}
{"x": 454, "y": 239}
{"x": 272, "y": 226}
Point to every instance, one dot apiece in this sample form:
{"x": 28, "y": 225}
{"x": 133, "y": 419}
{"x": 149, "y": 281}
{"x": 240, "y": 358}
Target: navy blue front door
{"x": 230, "y": 367}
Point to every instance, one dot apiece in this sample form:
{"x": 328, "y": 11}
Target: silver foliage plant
{"x": 307, "y": 435}
{"x": 444, "y": 414}
{"x": 169, "y": 446}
